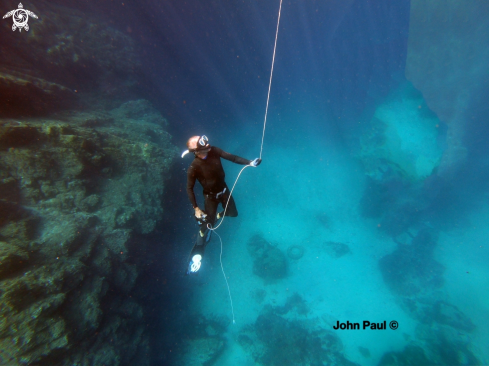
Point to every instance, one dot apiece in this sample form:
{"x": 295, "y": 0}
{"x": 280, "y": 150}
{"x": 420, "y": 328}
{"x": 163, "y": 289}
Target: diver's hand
{"x": 199, "y": 213}
{"x": 255, "y": 162}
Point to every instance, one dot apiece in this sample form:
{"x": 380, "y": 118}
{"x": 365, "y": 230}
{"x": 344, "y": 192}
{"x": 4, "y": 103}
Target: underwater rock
{"x": 258, "y": 295}
{"x": 364, "y": 351}
{"x": 336, "y": 249}
{"x": 412, "y": 273}
{"x": 398, "y": 205}
{"x": 25, "y": 95}
{"x": 29, "y": 329}
{"x": 430, "y": 311}
{"x": 65, "y": 278}
{"x": 398, "y": 219}
{"x": 411, "y": 268}
{"x": 295, "y": 252}
{"x": 9, "y": 190}
{"x": 276, "y": 341}
{"x": 399, "y": 152}
{"x": 269, "y": 262}
{"x": 11, "y": 259}
{"x": 294, "y": 302}
{"x": 271, "y": 265}
{"x": 375, "y": 199}
{"x": 445, "y": 345}
{"x": 10, "y": 211}
{"x": 445, "y": 313}
{"x": 203, "y": 345}
{"x": 201, "y": 351}
{"x": 257, "y": 245}
{"x": 277, "y": 332}
{"x": 88, "y": 204}
{"x": 403, "y": 138}
{"x": 137, "y": 110}
{"x": 410, "y": 355}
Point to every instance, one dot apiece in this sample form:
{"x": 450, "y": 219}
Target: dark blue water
{"x": 369, "y": 208}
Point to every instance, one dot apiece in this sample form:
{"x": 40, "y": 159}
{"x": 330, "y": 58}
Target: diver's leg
{"x": 203, "y": 236}
{"x": 210, "y": 208}
{"x": 231, "y": 211}
{"x": 211, "y": 211}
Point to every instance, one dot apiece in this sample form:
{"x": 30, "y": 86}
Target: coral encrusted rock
{"x": 269, "y": 262}
{"x": 76, "y": 194}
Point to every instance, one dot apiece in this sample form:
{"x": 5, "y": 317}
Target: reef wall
{"x": 83, "y": 166}
{"x": 76, "y": 194}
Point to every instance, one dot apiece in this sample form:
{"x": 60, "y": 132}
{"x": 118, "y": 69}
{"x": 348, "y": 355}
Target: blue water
{"x": 371, "y": 200}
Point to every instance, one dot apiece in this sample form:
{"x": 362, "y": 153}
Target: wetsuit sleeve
{"x": 234, "y": 158}
{"x": 190, "y": 186}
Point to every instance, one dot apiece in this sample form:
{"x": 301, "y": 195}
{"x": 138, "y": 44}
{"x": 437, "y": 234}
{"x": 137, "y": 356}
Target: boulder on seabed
{"x": 269, "y": 262}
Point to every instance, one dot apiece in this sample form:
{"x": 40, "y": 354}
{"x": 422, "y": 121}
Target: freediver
{"x": 207, "y": 169}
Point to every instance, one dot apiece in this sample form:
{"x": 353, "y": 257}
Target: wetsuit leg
{"x": 210, "y": 205}
{"x": 231, "y": 211}
{"x": 203, "y": 236}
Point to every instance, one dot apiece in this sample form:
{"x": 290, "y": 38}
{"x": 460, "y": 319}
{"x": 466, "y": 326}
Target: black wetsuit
{"x": 210, "y": 174}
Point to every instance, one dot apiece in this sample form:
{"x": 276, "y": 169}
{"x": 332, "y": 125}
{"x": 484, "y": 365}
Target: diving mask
{"x": 202, "y": 146}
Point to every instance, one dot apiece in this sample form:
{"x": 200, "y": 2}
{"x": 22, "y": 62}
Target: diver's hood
{"x": 202, "y": 145}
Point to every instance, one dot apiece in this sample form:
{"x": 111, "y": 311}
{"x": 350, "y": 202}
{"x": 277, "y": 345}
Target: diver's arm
{"x": 190, "y": 187}
{"x": 234, "y": 158}
{"x": 190, "y": 192}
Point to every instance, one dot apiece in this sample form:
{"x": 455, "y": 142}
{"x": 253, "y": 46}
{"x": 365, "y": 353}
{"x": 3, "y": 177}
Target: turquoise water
{"x": 361, "y": 238}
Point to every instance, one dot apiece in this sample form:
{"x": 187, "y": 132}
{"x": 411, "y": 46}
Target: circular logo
{"x": 394, "y": 325}
{"x": 20, "y": 18}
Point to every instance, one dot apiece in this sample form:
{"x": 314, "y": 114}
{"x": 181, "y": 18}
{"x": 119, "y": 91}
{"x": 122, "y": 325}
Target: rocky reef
{"x": 411, "y": 269}
{"x": 274, "y": 339}
{"x": 77, "y": 192}
{"x": 439, "y": 351}
{"x": 416, "y": 278}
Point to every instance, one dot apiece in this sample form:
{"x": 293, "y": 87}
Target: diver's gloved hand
{"x": 255, "y": 162}
{"x": 199, "y": 214}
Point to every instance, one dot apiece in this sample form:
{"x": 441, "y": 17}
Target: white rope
{"x": 264, "y": 122}
{"x": 227, "y": 284}
{"x": 230, "y": 194}
{"x": 261, "y": 151}
{"x": 271, "y": 74}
